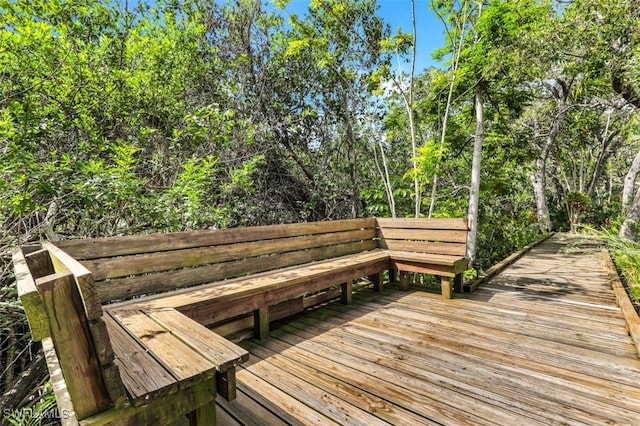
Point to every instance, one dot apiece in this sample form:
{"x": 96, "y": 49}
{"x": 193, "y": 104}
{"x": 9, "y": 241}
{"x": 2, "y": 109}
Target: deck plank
{"x": 286, "y": 406}
{"x": 543, "y": 342}
{"x": 359, "y": 397}
{"x": 453, "y": 355}
{"x": 389, "y": 385}
{"x": 511, "y": 395}
{"x": 245, "y": 410}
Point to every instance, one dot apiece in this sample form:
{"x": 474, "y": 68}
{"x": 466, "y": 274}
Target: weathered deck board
{"x": 541, "y": 343}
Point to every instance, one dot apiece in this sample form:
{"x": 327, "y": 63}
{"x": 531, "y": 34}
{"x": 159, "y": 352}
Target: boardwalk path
{"x": 541, "y": 343}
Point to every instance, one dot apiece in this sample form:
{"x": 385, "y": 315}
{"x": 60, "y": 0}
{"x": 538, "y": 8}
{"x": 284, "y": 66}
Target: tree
{"x": 631, "y": 196}
{"x": 599, "y": 65}
{"x": 494, "y": 39}
{"x": 339, "y": 42}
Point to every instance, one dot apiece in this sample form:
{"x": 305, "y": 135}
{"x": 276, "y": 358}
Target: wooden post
{"x": 458, "y": 283}
{"x": 346, "y": 296}
{"x": 446, "y": 287}
{"x": 203, "y": 416}
{"x": 62, "y": 262}
{"x": 29, "y": 294}
{"x": 261, "y": 323}
{"x": 72, "y": 339}
{"x": 392, "y": 276}
{"x": 404, "y": 280}
{"x": 377, "y": 281}
{"x": 226, "y": 384}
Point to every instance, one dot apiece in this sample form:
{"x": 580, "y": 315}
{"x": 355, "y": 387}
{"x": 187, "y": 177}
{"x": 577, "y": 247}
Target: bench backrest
{"x": 124, "y": 267}
{"x": 434, "y": 236}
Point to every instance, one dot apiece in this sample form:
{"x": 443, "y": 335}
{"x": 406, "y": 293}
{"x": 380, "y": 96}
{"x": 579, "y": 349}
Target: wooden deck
{"x": 541, "y": 343}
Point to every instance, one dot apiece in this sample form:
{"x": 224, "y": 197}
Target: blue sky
{"x": 429, "y": 29}
{"x": 397, "y": 13}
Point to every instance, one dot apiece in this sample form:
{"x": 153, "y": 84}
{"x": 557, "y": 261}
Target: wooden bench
{"x": 137, "y": 367}
{"x": 147, "y": 301}
{"x": 427, "y": 246}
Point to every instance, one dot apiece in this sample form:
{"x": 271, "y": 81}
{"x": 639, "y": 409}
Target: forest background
{"x": 193, "y": 114}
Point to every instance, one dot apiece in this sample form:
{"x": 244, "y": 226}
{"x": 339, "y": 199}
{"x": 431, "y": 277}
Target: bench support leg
{"x": 446, "y": 287}
{"x": 376, "y": 279}
{"x": 404, "y": 280}
{"x": 205, "y": 415}
{"x": 393, "y": 276}
{"x": 226, "y": 384}
{"x": 458, "y": 281}
{"x": 346, "y": 296}
{"x": 261, "y": 323}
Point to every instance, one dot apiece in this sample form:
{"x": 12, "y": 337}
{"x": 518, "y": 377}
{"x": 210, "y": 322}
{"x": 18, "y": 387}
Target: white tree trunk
{"x": 630, "y": 182}
{"x": 629, "y": 228}
{"x": 539, "y": 182}
{"x": 539, "y": 176}
{"x": 474, "y": 195}
{"x": 412, "y": 125}
{"x": 384, "y": 175}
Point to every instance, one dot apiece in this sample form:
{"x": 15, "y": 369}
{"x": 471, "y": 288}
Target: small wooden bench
{"x": 147, "y": 301}
{"x": 427, "y": 246}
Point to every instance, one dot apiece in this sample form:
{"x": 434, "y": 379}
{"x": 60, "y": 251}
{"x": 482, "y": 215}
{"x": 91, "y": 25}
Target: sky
{"x": 397, "y": 13}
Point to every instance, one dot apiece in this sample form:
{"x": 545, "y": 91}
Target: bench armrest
{"x": 181, "y": 348}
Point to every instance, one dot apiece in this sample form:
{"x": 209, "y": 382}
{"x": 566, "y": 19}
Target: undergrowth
{"x": 626, "y": 256}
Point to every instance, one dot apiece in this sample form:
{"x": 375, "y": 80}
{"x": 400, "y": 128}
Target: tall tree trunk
{"x": 630, "y": 182}
{"x": 539, "y": 182}
{"x": 412, "y": 124}
{"x": 629, "y": 228}
{"x": 551, "y": 169}
{"x": 474, "y": 195}
{"x": 560, "y": 92}
{"x": 610, "y": 144}
{"x": 351, "y": 154}
{"x": 608, "y": 150}
{"x": 384, "y": 175}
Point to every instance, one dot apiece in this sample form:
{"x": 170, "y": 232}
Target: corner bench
{"x": 144, "y": 303}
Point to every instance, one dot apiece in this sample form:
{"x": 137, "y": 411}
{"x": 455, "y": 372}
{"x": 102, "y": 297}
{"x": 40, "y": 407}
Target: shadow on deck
{"x": 540, "y": 343}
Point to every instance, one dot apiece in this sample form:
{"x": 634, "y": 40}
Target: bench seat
{"x": 445, "y": 266}
{"x": 136, "y": 366}
{"x": 427, "y": 263}
{"x": 218, "y": 301}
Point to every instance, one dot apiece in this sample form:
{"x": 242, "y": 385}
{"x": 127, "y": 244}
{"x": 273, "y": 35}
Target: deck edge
{"x": 622, "y": 299}
{"x": 473, "y": 284}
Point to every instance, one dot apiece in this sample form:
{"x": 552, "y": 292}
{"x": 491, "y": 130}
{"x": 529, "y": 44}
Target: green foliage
{"x": 185, "y": 203}
{"x": 428, "y": 161}
{"x": 625, "y": 254}
{"x": 42, "y": 412}
{"x": 400, "y": 43}
{"x": 578, "y": 199}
